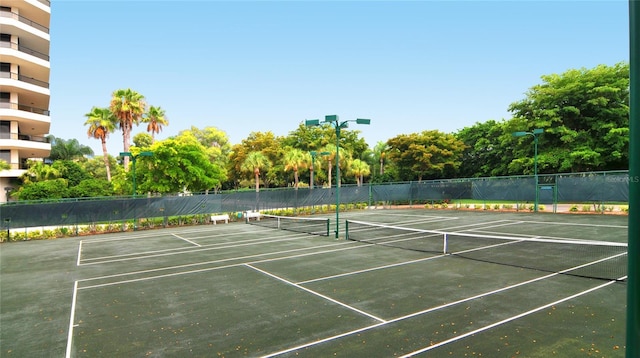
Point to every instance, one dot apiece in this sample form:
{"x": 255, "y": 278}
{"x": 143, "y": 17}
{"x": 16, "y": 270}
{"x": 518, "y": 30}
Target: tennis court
{"x": 233, "y": 290}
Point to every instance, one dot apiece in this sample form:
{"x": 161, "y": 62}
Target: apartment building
{"x": 24, "y": 86}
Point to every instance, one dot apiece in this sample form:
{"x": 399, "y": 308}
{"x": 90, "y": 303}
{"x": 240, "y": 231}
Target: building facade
{"x": 24, "y": 87}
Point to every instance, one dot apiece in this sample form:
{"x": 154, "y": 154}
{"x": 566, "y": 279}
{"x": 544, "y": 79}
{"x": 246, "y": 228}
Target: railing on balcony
{"x": 24, "y": 49}
{"x": 19, "y": 77}
{"x": 13, "y": 15}
{"x": 30, "y": 138}
{"x": 24, "y": 107}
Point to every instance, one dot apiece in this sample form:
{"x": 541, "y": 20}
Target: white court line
{"x": 79, "y": 253}
{"x": 432, "y": 309}
{"x": 218, "y": 267}
{"x": 317, "y": 294}
{"x": 192, "y": 250}
{"x": 187, "y": 240}
{"x": 188, "y": 249}
{"x": 574, "y": 224}
{"x": 513, "y": 318}
{"x": 72, "y": 319}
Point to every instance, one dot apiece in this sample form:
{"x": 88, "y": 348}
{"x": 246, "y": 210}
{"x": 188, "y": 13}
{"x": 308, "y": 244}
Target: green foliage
{"x": 91, "y": 188}
{"x": 177, "y": 165}
{"x": 67, "y": 149}
{"x": 426, "y": 155}
{"x": 72, "y": 171}
{"x": 584, "y": 113}
{"x": 48, "y": 189}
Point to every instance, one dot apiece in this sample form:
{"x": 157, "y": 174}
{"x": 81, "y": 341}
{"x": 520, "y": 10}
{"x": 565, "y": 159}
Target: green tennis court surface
{"x": 243, "y": 290}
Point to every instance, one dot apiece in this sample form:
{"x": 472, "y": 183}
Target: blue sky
{"x": 244, "y": 66}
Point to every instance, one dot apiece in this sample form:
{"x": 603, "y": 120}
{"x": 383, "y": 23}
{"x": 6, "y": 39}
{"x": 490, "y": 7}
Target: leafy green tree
{"x": 128, "y": 107}
{"x": 101, "y": 123}
{"x": 91, "y": 188}
{"x": 155, "y": 118}
{"x": 255, "y": 163}
{"x": 178, "y": 165}
{"x": 216, "y": 143}
{"x": 488, "y": 149}
{"x": 585, "y": 117}
{"x": 295, "y": 159}
{"x": 426, "y": 155}
{"x": 73, "y": 172}
{"x": 359, "y": 169}
{"x": 39, "y": 171}
{"x": 266, "y": 143}
{"x": 41, "y": 190}
{"x": 96, "y": 167}
{"x": 67, "y": 149}
{"x": 143, "y": 140}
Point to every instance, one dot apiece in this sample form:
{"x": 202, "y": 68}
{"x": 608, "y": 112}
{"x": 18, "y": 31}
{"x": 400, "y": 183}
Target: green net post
{"x": 633, "y": 296}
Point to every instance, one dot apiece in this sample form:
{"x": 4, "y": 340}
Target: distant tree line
{"x": 584, "y": 114}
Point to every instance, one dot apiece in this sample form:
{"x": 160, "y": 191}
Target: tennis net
{"x": 584, "y": 258}
{"x": 314, "y": 226}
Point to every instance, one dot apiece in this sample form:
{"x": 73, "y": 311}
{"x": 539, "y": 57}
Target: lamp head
{"x": 331, "y": 118}
{"x": 538, "y": 131}
{"x": 519, "y": 134}
{"x": 312, "y": 122}
{"x": 363, "y": 121}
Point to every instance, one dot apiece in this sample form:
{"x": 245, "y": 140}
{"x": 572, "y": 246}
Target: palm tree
{"x": 254, "y": 162}
{"x": 67, "y": 149}
{"x": 360, "y": 169}
{"x": 295, "y": 159}
{"x": 155, "y": 119}
{"x": 101, "y": 122}
{"x": 127, "y": 106}
{"x": 39, "y": 171}
{"x": 331, "y": 149}
{"x": 380, "y": 151}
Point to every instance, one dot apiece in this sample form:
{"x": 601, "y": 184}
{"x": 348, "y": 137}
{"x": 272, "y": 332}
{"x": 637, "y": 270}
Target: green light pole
{"x": 536, "y": 132}
{"x": 633, "y": 279}
{"x": 133, "y": 165}
{"x": 335, "y": 122}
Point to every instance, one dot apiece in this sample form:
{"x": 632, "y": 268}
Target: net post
{"x": 444, "y": 243}
{"x": 346, "y": 229}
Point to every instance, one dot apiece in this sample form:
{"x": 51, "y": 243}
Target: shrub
{"x": 573, "y": 208}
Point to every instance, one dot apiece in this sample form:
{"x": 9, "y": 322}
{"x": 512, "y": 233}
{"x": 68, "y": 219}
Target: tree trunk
{"x": 106, "y": 158}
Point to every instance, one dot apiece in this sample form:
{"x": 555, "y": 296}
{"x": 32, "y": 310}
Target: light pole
{"x": 535, "y": 133}
{"x": 133, "y": 165}
{"x": 335, "y": 122}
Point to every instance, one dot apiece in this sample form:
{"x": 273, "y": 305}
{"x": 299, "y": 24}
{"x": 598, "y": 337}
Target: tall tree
{"x": 425, "y": 155}
{"x": 178, "y": 165}
{"x": 155, "y": 119}
{"x": 128, "y": 107}
{"x": 254, "y": 163}
{"x": 380, "y": 154}
{"x": 488, "y": 149}
{"x": 101, "y": 123}
{"x": 585, "y": 117}
{"x": 295, "y": 159}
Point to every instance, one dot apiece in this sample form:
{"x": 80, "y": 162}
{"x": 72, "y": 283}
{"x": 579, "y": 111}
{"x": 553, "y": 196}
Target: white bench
{"x": 252, "y": 214}
{"x": 215, "y": 218}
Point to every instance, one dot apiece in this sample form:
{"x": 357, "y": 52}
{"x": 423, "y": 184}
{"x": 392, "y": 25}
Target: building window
{"x": 5, "y": 155}
{"x": 5, "y": 130}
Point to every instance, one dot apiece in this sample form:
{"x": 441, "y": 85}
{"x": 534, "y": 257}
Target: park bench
{"x": 216, "y": 218}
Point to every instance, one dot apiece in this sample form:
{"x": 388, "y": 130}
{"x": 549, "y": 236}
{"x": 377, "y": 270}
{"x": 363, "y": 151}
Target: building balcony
{"x": 24, "y": 50}
{"x": 18, "y": 20}
{"x": 22, "y": 84}
{"x": 27, "y": 146}
{"x": 33, "y": 121}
